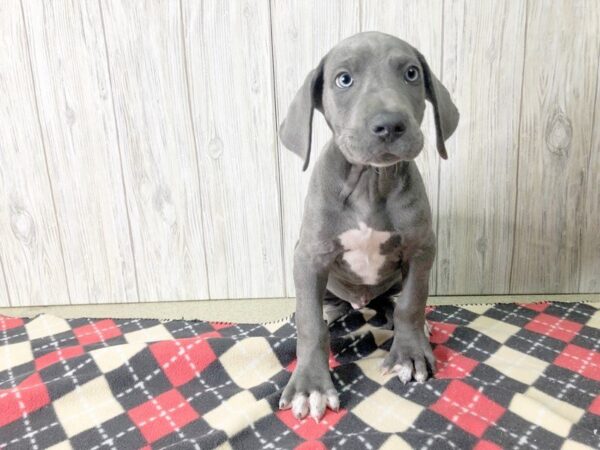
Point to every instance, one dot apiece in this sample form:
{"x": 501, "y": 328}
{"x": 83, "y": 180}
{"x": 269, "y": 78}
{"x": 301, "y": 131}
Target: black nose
{"x": 388, "y": 126}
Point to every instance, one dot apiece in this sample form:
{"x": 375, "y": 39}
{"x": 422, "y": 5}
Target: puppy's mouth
{"x": 401, "y": 150}
{"x": 375, "y": 153}
{"x": 392, "y": 156}
{"x": 386, "y": 160}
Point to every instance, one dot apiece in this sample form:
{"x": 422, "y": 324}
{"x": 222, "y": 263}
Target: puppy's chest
{"x": 369, "y": 254}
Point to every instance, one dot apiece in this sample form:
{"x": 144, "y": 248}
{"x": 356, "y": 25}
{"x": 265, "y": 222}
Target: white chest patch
{"x": 363, "y": 251}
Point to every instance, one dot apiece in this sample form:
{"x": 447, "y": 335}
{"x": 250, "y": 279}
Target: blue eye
{"x": 412, "y": 74}
{"x": 344, "y": 80}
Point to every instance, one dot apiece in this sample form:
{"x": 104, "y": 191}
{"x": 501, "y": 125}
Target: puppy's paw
{"x": 310, "y": 391}
{"x": 409, "y": 357}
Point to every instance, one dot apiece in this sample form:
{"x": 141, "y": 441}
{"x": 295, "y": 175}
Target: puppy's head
{"x": 371, "y": 88}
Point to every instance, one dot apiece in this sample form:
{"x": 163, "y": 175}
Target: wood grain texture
{"x": 589, "y": 268}
{"x": 419, "y": 24}
{"x": 303, "y": 32}
{"x": 30, "y": 249}
{"x": 559, "y": 88}
{"x": 73, "y": 94}
{"x": 4, "y": 294}
{"x": 146, "y": 61}
{"x": 231, "y": 85}
{"x": 483, "y": 69}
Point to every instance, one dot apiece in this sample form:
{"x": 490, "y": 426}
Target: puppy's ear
{"x": 444, "y": 110}
{"x": 295, "y": 131}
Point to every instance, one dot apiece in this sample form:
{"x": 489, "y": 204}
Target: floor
{"x": 247, "y": 310}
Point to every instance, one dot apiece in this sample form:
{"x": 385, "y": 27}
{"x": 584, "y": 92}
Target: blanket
{"x": 508, "y": 376}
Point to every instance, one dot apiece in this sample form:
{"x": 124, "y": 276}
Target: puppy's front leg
{"x": 310, "y": 389}
{"x": 411, "y": 351}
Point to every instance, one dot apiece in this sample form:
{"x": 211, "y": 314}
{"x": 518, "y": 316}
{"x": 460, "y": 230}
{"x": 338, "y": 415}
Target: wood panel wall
{"x": 139, "y": 158}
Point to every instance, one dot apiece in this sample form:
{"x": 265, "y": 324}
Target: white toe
{"x": 300, "y": 406}
{"x": 404, "y": 372}
{"x": 420, "y": 376}
{"x": 333, "y": 401}
{"x": 317, "y": 405}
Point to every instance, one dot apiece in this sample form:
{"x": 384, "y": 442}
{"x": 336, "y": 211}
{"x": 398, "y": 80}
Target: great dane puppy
{"x": 366, "y": 229}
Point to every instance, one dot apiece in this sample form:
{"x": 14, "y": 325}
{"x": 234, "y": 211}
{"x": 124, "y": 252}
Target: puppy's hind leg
{"x": 384, "y": 305}
{"x": 334, "y": 307}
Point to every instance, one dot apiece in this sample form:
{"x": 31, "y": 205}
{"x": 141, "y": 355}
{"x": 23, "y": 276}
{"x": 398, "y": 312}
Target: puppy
{"x": 366, "y": 229}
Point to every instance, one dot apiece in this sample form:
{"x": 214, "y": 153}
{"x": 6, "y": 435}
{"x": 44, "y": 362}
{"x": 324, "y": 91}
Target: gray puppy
{"x": 366, "y": 229}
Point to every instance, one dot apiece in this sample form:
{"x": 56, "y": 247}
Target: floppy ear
{"x": 295, "y": 131}
{"x": 444, "y": 110}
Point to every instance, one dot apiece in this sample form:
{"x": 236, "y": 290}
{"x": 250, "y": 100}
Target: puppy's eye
{"x": 412, "y": 74}
{"x": 344, "y": 80}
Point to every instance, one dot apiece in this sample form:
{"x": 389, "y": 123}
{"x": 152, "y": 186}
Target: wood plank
{"x": 558, "y": 102}
{"x": 146, "y": 62}
{"x": 31, "y": 250}
{"x": 4, "y": 295}
{"x": 483, "y": 68}
{"x": 73, "y": 92}
{"x": 231, "y": 89}
{"x": 303, "y": 32}
{"x": 419, "y": 24}
{"x": 589, "y": 276}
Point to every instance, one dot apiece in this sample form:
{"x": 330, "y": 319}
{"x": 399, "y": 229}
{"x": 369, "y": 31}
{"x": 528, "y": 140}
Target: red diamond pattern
{"x": 451, "y": 364}
{"x": 555, "y": 327}
{"x": 468, "y": 408}
{"x": 184, "y": 359}
{"x": 100, "y": 331}
{"x": 539, "y": 307}
{"x": 595, "y": 406}
{"x": 162, "y": 415}
{"x": 7, "y": 323}
{"x": 62, "y": 354}
{"x": 30, "y": 395}
{"x": 441, "y": 332}
{"x": 486, "y": 445}
{"x": 580, "y": 360}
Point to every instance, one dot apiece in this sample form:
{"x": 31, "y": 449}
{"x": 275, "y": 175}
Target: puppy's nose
{"x": 388, "y": 126}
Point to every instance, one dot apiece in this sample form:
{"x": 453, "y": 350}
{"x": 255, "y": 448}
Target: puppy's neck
{"x": 381, "y": 180}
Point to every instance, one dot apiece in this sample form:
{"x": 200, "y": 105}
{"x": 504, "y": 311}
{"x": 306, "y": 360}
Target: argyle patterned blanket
{"x": 508, "y": 376}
